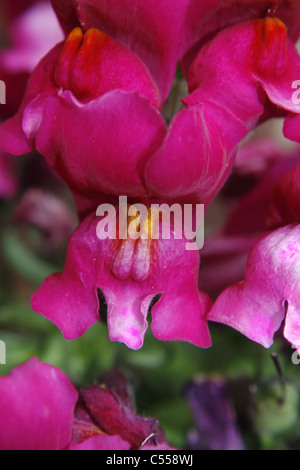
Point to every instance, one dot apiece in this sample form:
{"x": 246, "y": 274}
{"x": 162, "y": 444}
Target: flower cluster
{"x": 93, "y": 108}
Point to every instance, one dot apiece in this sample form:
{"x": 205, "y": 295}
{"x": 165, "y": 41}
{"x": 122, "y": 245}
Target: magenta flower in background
{"x": 32, "y": 34}
{"x": 33, "y": 29}
{"x": 41, "y": 410}
{"x": 47, "y": 213}
{"x": 130, "y": 273}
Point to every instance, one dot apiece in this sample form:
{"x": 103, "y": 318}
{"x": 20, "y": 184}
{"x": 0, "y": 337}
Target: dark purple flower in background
{"x": 215, "y": 419}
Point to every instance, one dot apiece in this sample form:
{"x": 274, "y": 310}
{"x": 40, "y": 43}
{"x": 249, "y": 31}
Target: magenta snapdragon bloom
{"x": 41, "y": 410}
{"x": 130, "y": 273}
{"x": 231, "y": 80}
{"x": 90, "y": 85}
{"x": 269, "y": 293}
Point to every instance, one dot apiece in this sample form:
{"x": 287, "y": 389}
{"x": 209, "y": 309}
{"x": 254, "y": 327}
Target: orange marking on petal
{"x": 69, "y": 51}
{"x": 86, "y": 67}
{"x": 79, "y": 64}
{"x": 270, "y": 47}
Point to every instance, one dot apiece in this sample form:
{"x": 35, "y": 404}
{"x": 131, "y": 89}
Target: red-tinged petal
{"x": 36, "y": 408}
{"x": 270, "y": 291}
{"x": 150, "y": 29}
{"x": 108, "y": 412}
{"x": 197, "y": 154}
{"x": 205, "y": 19}
{"x": 107, "y": 161}
{"x": 105, "y": 419}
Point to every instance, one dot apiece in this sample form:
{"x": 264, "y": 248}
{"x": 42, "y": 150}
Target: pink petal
{"x": 197, "y": 154}
{"x": 150, "y": 29}
{"x": 36, "y": 408}
{"x": 32, "y": 35}
{"x": 256, "y": 306}
{"x": 107, "y": 161}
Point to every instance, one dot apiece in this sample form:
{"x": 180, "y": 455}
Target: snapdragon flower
{"x": 131, "y": 272}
